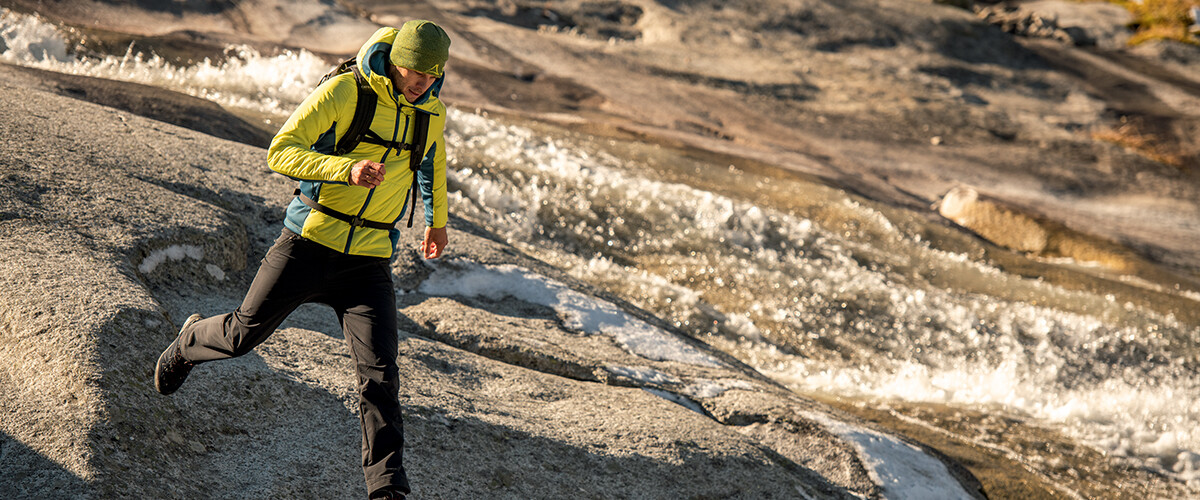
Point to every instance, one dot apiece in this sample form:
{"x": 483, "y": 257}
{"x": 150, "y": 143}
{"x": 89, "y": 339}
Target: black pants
{"x": 296, "y": 271}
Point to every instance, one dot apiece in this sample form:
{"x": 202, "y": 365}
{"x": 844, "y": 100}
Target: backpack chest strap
{"x": 372, "y": 138}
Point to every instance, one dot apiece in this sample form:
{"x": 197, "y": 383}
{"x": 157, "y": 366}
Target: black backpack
{"x": 360, "y": 131}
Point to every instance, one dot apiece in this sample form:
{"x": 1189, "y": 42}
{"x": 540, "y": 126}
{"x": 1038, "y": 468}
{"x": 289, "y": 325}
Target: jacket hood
{"x": 372, "y": 62}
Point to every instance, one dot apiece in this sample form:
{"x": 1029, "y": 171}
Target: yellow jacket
{"x": 303, "y": 150}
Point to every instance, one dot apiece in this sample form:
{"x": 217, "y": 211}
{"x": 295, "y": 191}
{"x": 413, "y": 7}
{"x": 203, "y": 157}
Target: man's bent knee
{"x": 244, "y": 334}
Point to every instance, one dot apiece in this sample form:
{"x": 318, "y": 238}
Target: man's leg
{"x": 368, "y": 314}
{"x": 288, "y": 277}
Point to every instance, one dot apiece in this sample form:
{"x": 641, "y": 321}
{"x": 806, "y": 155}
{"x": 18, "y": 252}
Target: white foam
{"x": 579, "y": 311}
{"x": 901, "y": 470}
{"x": 215, "y": 271}
{"x": 1142, "y": 420}
{"x": 743, "y": 327}
{"x": 645, "y": 283}
{"x": 586, "y": 188}
{"x": 1187, "y": 466}
{"x": 704, "y": 388}
{"x": 28, "y": 38}
{"x": 173, "y": 252}
{"x": 643, "y": 374}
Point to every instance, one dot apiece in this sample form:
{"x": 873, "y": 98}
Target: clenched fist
{"x": 368, "y": 174}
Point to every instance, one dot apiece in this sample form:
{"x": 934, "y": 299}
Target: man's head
{"x": 421, "y": 46}
{"x": 418, "y": 58}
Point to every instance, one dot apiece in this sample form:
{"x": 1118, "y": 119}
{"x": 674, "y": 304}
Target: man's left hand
{"x": 434, "y": 243}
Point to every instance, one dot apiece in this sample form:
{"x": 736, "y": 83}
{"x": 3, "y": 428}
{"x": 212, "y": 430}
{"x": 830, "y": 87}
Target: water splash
{"x": 28, "y": 39}
{"x": 245, "y": 79}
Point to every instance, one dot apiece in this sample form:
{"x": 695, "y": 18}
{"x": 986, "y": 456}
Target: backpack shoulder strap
{"x": 364, "y": 113}
{"x": 416, "y": 155}
{"x": 420, "y": 135}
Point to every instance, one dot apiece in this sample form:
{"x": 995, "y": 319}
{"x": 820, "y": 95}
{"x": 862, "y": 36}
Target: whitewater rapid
{"x": 827, "y": 312}
{"x": 821, "y": 291}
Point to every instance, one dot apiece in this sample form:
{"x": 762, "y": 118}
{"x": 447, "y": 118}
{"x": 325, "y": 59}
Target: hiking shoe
{"x": 172, "y": 369}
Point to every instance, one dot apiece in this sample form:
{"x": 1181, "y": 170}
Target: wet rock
{"x": 1000, "y": 225}
{"x": 1031, "y": 24}
{"x": 1098, "y": 24}
{"x": 1012, "y": 227}
{"x": 592, "y": 19}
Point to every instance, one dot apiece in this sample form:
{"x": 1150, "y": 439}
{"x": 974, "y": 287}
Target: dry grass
{"x": 1161, "y": 19}
{"x": 1132, "y": 136}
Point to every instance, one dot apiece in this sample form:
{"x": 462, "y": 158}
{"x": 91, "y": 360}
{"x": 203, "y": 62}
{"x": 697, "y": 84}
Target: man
{"x": 338, "y": 234}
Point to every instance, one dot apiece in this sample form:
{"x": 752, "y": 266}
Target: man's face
{"x": 409, "y": 82}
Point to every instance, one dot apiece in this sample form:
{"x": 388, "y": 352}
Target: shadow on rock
{"x": 29, "y": 474}
{"x": 253, "y": 428}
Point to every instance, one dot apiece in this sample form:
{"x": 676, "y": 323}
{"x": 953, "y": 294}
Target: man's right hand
{"x": 367, "y": 173}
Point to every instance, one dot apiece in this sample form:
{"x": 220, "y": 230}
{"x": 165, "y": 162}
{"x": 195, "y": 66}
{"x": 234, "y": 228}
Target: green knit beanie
{"x": 422, "y": 46}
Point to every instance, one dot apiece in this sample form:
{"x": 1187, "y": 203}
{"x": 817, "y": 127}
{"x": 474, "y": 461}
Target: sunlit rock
{"x": 995, "y": 223}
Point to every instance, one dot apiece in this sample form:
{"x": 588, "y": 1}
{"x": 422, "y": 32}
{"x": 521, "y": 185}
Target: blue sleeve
{"x": 425, "y": 179}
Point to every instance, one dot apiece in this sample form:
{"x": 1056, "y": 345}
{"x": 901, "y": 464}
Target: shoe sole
{"x": 158, "y": 365}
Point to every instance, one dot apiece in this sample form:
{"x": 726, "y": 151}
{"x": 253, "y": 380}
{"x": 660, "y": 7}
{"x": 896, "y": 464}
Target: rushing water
{"x": 831, "y": 296}
{"x": 825, "y": 292}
